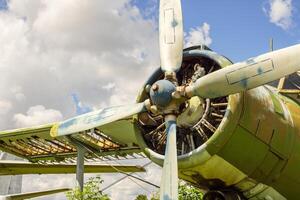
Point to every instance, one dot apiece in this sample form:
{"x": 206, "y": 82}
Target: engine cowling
{"x": 200, "y": 121}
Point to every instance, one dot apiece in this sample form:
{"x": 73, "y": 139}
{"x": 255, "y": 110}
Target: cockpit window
{"x": 290, "y": 86}
{"x": 292, "y": 82}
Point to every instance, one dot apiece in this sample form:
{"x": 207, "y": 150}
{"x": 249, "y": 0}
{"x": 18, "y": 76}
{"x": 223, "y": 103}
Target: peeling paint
{"x": 174, "y": 23}
{"x": 98, "y": 118}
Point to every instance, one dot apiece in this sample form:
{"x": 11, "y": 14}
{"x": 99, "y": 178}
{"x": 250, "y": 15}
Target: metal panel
{"x": 244, "y": 151}
{"x": 247, "y": 72}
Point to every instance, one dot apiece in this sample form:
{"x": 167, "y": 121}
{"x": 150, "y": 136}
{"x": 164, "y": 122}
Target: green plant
{"x": 91, "y": 191}
{"x": 141, "y": 197}
{"x": 188, "y": 192}
{"x": 185, "y": 192}
{"x": 155, "y": 196}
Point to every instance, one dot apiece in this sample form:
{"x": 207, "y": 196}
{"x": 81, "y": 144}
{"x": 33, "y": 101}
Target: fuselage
{"x": 254, "y": 150}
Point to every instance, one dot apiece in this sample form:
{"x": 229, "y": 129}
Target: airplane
{"x": 215, "y": 124}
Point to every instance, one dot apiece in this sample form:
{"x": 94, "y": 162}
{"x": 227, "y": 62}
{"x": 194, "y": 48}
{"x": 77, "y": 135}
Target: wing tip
{"x": 54, "y": 130}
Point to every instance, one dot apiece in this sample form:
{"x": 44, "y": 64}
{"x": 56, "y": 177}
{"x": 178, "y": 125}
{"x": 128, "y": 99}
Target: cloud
{"x": 17, "y": 91}
{"x": 5, "y": 106}
{"x": 109, "y": 86}
{"x": 37, "y": 115}
{"x": 51, "y": 49}
{"x": 149, "y": 9}
{"x": 46, "y": 182}
{"x": 280, "y": 13}
{"x": 198, "y": 35}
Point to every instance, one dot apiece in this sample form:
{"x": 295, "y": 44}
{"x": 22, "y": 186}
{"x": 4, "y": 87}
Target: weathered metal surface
{"x": 20, "y": 167}
{"x": 169, "y": 180}
{"x": 250, "y": 150}
{"x": 287, "y": 178}
{"x": 248, "y": 74}
{"x": 80, "y": 166}
{"x": 192, "y": 114}
{"x": 161, "y": 92}
{"x": 262, "y": 191}
{"x": 170, "y": 35}
{"x": 95, "y": 119}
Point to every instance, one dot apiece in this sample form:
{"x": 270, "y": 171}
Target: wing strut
{"x": 131, "y": 175}
{"x": 80, "y": 166}
{"x": 81, "y": 150}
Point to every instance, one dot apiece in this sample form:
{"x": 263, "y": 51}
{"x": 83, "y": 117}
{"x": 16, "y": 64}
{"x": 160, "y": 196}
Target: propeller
{"x": 169, "y": 181}
{"x": 248, "y": 74}
{"x": 171, "y": 45}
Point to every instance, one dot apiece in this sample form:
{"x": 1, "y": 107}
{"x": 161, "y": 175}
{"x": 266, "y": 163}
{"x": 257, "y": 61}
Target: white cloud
{"x": 37, "y": 115}
{"x": 46, "y": 182}
{"x": 280, "y": 13}
{"x": 17, "y": 91}
{"x": 52, "y": 49}
{"x": 109, "y": 86}
{"x": 5, "y": 106}
{"x": 198, "y": 35}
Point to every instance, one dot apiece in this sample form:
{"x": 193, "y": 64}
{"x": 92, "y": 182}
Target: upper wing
{"x": 20, "y": 167}
{"x": 36, "y": 144}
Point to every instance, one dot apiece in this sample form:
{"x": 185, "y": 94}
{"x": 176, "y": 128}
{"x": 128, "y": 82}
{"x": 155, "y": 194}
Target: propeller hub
{"x": 161, "y": 93}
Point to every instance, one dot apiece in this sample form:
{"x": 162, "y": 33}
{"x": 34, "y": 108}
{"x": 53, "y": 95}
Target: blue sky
{"x": 3, "y": 5}
{"x": 239, "y": 29}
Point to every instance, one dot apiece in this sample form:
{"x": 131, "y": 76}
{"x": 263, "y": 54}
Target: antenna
{"x": 271, "y": 44}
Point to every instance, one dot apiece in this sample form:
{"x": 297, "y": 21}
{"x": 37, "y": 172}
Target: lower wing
{"x": 20, "y": 167}
{"x": 32, "y": 194}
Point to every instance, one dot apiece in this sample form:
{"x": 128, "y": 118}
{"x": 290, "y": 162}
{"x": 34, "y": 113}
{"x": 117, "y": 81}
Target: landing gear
{"x": 222, "y": 195}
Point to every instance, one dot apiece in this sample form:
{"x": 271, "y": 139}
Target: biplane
{"x": 215, "y": 124}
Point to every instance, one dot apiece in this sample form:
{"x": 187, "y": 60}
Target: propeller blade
{"x": 248, "y": 74}
{"x": 95, "y": 119}
{"x": 170, "y": 35}
{"x": 169, "y": 181}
